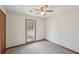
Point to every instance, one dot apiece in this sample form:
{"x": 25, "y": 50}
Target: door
{"x": 2, "y": 32}
{"x": 30, "y": 30}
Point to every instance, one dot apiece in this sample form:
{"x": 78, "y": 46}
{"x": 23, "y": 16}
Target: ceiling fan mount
{"x": 42, "y": 10}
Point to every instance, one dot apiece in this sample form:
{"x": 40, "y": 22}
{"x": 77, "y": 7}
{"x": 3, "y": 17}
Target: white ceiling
{"x": 25, "y": 9}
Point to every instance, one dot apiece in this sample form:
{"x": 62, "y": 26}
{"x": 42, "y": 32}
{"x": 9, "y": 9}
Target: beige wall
{"x": 63, "y": 29}
{"x": 16, "y": 28}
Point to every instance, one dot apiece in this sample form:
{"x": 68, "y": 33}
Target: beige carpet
{"x": 41, "y": 47}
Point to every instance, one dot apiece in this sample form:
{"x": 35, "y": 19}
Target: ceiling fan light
{"x": 42, "y": 13}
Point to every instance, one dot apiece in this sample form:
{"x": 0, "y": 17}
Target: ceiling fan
{"x": 42, "y": 10}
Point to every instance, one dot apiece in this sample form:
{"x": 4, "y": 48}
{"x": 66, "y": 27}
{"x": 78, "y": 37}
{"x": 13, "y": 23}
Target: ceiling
{"x": 25, "y": 9}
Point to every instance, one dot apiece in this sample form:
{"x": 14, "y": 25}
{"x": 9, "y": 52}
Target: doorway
{"x": 30, "y": 29}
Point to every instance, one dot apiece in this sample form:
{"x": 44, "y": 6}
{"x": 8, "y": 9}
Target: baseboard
{"x": 36, "y": 41}
{"x": 25, "y": 44}
{"x": 65, "y": 47}
{"x": 15, "y": 46}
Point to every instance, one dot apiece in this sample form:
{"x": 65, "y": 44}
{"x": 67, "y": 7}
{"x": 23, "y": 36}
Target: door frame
{"x": 26, "y": 30}
{"x": 4, "y": 49}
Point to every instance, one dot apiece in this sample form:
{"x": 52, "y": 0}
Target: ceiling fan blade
{"x": 46, "y": 6}
{"x": 49, "y": 11}
{"x": 37, "y": 9}
{"x": 42, "y": 8}
{"x": 38, "y": 13}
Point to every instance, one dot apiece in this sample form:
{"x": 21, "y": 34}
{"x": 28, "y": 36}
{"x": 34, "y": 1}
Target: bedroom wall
{"x": 63, "y": 29}
{"x": 16, "y": 28}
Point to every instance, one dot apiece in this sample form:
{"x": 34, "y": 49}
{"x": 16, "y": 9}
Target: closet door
{"x": 2, "y": 32}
